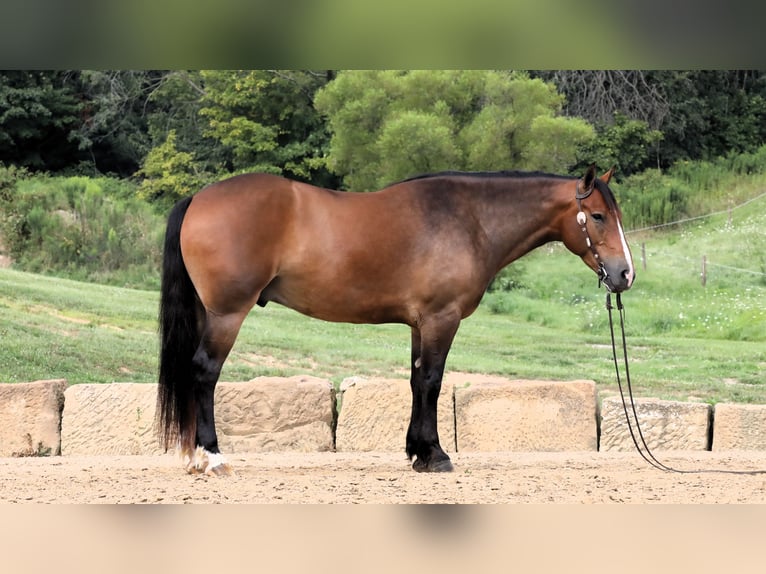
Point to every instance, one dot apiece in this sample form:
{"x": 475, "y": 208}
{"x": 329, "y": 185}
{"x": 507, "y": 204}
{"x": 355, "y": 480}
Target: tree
{"x": 264, "y": 120}
{"x": 387, "y": 125}
{"x": 116, "y": 105}
{"x": 355, "y": 105}
{"x": 78, "y": 120}
{"x": 175, "y": 107}
{"x": 39, "y": 112}
{"x": 169, "y": 174}
{"x": 209, "y": 124}
{"x": 519, "y": 126}
{"x": 597, "y": 95}
{"x": 626, "y": 144}
{"x": 416, "y": 142}
{"x": 701, "y": 114}
{"x": 714, "y": 112}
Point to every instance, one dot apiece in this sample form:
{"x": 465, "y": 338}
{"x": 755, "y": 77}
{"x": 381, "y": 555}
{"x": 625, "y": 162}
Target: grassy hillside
{"x": 686, "y": 341}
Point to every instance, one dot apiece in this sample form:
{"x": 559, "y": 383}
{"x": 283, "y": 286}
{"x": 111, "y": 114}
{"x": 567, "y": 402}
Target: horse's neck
{"x": 522, "y": 216}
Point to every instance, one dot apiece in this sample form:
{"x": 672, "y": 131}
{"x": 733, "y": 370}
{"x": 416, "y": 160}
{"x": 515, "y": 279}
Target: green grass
{"x": 686, "y": 341}
{"x": 57, "y": 328}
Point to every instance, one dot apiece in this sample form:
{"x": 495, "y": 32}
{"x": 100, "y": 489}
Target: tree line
{"x": 173, "y": 131}
{"x": 90, "y": 161}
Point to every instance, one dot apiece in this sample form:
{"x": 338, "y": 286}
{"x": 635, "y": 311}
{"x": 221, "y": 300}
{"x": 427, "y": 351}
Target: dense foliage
{"x": 388, "y": 125}
{"x": 679, "y": 139}
{"x": 84, "y": 228}
{"x": 107, "y": 122}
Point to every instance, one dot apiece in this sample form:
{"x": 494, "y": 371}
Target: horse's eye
{"x": 597, "y": 217}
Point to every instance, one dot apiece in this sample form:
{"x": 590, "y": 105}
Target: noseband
{"x": 581, "y": 220}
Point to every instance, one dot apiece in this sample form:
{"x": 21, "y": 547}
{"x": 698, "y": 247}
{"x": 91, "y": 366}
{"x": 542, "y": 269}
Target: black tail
{"x": 179, "y": 339}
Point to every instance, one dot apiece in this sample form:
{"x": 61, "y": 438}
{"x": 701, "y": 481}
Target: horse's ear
{"x": 606, "y": 178}
{"x": 590, "y": 177}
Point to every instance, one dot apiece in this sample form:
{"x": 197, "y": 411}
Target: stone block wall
{"x": 261, "y": 415}
{"x": 476, "y": 413}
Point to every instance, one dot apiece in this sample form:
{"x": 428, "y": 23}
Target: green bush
{"x": 9, "y": 176}
{"x": 650, "y": 198}
{"x": 748, "y": 163}
{"x": 689, "y": 188}
{"x": 699, "y": 175}
{"x": 169, "y": 175}
{"x": 625, "y": 144}
{"x": 73, "y": 227}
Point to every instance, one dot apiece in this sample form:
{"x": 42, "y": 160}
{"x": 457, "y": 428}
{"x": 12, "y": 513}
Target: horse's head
{"x": 593, "y": 230}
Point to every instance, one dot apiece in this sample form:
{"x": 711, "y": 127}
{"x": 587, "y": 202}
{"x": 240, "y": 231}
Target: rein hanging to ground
{"x": 645, "y": 453}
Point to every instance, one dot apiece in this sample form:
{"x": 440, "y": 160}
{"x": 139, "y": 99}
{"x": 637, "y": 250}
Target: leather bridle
{"x": 582, "y": 219}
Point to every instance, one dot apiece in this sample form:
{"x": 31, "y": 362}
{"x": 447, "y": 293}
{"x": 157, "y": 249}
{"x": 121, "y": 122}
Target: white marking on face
{"x": 626, "y": 251}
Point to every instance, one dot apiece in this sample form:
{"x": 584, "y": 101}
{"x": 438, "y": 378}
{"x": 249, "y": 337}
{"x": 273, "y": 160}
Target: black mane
{"x": 488, "y": 174}
{"x": 602, "y": 187}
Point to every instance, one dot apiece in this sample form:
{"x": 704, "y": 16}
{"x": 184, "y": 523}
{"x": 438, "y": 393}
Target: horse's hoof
{"x": 210, "y": 464}
{"x": 443, "y": 465}
{"x": 224, "y": 469}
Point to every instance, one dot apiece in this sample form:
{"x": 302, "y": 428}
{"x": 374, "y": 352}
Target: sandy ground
{"x": 387, "y": 478}
{"x": 612, "y": 518}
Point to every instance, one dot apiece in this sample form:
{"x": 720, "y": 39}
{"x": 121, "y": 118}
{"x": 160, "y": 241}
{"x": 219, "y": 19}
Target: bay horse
{"x": 421, "y": 252}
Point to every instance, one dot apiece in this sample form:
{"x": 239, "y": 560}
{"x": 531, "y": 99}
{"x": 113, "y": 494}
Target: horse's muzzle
{"x": 616, "y": 278}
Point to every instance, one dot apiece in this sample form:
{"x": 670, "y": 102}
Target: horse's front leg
{"x": 430, "y": 345}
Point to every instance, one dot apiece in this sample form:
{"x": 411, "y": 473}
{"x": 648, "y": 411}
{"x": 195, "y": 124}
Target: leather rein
{"x": 642, "y": 448}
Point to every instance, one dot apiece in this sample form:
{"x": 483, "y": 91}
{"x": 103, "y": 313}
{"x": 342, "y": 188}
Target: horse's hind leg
{"x": 218, "y": 337}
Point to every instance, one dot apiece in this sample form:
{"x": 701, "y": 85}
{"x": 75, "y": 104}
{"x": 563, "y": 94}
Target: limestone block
{"x": 666, "y": 425}
{"x": 739, "y": 427}
{"x": 30, "y": 414}
{"x": 275, "y": 414}
{"x": 264, "y": 414}
{"x": 375, "y": 413}
{"x": 115, "y": 418}
{"x": 506, "y": 415}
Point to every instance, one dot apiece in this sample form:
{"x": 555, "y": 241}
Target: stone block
{"x": 275, "y": 414}
{"x": 507, "y": 415}
{"x": 665, "y": 425}
{"x": 264, "y": 414}
{"x": 739, "y": 427}
{"x": 31, "y": 418}
{"x": 375, "y": 413}
{"x": 112, "y": 419}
